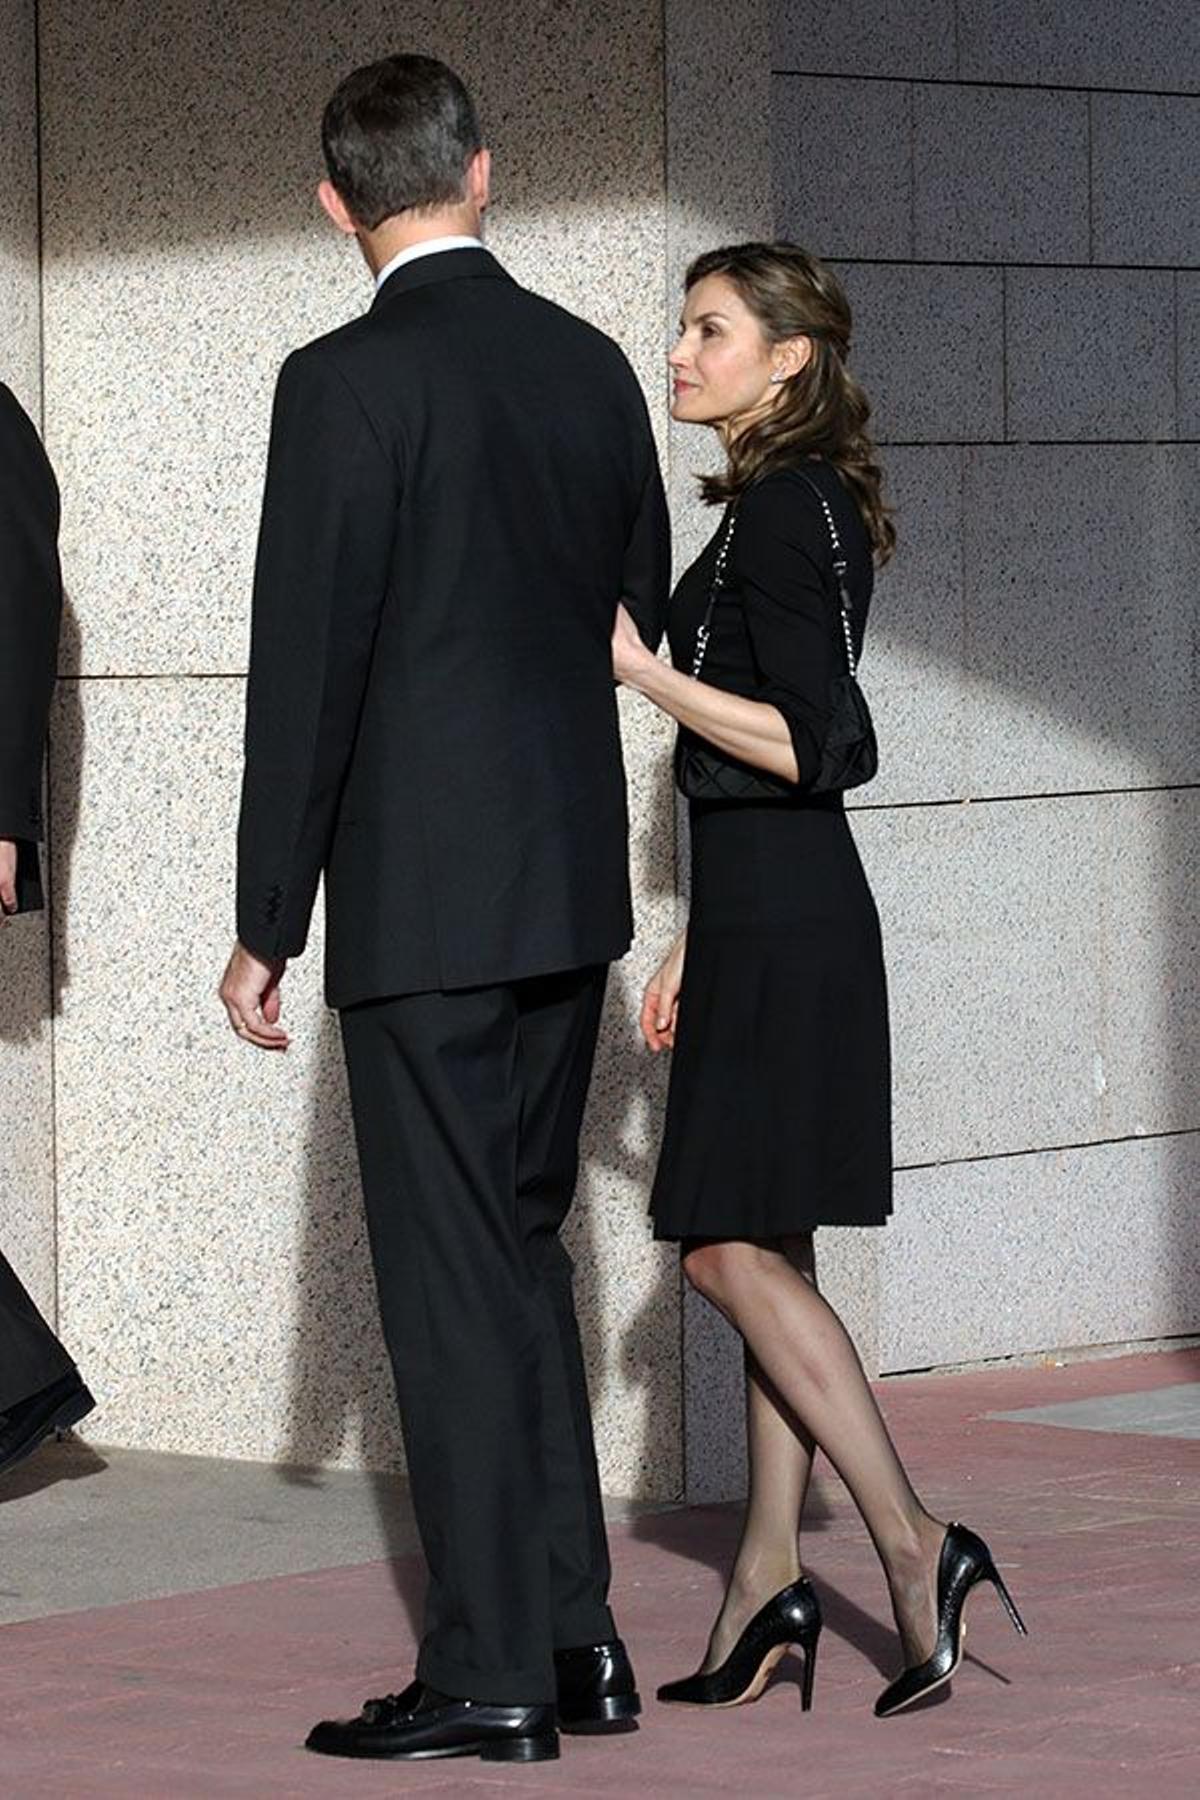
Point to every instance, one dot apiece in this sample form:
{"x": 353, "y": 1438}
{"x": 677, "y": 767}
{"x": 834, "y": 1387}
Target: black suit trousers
{"x": 31, "y": 1357}
{"x": 467, "y": 1109}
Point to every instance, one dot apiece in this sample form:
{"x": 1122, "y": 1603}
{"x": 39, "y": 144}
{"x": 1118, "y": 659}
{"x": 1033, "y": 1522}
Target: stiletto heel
{"x": 965, "y": 1561}
{"x": 810, "y": 1669}
{"x": 791, "y": 1620}
{"x": 1009, "y": 1603}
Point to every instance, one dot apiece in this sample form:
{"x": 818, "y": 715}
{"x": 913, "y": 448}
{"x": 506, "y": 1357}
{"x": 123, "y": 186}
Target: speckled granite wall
{"x": 213, "y": 1270}
{"x": 26, "y": 1097}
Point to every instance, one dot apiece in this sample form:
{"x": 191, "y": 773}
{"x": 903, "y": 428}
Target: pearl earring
{"x": 777, "y": 377}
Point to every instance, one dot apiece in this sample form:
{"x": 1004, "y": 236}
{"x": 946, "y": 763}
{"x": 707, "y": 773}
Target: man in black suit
{"x": 461, "y": 486}
{"x": 40, "y": 1388}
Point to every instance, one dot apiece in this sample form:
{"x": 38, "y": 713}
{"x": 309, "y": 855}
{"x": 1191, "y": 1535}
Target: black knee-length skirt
{"x": 779, "y": 1107}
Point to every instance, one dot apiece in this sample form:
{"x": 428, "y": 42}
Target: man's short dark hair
{"x": 398, "y": 136}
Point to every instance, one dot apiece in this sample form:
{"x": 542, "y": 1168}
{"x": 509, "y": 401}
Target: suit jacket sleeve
{"x": 646, "y": 580}
{"x": 320, "y": 580}
{"x": 30, "y": 615}
{"x": 780, "y": 558}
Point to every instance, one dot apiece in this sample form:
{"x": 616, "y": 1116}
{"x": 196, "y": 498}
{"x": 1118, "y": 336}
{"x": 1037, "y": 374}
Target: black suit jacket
{"x": 30, "y": 615}
{"x": 460, "y": 487}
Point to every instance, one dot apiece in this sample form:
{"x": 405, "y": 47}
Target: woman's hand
{"x": 629, "y": 652}
{"x": 660, "y": 1005}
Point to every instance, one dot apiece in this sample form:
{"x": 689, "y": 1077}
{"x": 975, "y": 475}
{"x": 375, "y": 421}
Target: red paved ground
{"x": 1098, "y": 1535}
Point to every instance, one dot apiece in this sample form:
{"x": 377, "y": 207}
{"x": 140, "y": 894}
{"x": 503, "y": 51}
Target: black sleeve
{"x": 30, "y": 614}
{"x": 646, "y": 577}
{"x": 782, "y": 564}
{"x": 321, "y": 576}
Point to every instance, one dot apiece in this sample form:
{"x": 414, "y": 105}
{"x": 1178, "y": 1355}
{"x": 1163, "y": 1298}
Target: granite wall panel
{"x": 1089, "y": 44}
{"x": 917, "y": 636}
{"x": 1090, "y": 353}
{"x": 1081, "y": 624}
{"x": 843, "y": 165}
{"x": 866, "y": 37}
{"x": 1187, "y": 328}
{"x": 929, "y": 349}
{"x": 1000, "y": 175}
{"x": 1040, "y": 1251}
{"x": 1145, "y": 197}
{"x": 1042, "y": 964}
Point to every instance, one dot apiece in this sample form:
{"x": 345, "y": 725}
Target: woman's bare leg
{"x": 805, "y": 1352}
{"x": 779, "y": 1457}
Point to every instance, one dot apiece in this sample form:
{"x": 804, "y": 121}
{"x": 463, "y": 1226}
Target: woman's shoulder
{"x": 791, "y": 500}
{"x": 786, "y": 501}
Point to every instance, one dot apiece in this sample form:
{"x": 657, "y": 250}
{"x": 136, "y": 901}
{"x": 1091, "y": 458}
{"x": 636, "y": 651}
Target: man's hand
{"x": 249, "y": 992}
{"x": 8, "y": 878}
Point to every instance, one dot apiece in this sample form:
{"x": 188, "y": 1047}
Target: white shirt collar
{"x": 429, "y": 248}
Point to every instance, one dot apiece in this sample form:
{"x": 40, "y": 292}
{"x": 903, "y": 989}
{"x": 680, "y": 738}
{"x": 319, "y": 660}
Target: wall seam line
{"x": 1101, "y": 1143}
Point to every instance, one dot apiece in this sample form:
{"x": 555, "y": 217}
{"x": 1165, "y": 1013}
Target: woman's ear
{"x": 792, "y": 355}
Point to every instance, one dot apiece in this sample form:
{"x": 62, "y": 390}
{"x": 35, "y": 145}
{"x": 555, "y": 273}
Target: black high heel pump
{"x": 791, "y": 1619}
{"x": 965, "y": 1561}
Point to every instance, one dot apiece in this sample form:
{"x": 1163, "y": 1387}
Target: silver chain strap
{"x": 839, "y": 570}
{"x": 704, "y": 631}
{"x": 718, "y": 581}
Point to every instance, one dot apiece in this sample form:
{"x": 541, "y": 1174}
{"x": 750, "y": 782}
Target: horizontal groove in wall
{"x": 986, "y": 1156}
{"x": 1157, "y": 787}
{"x": 975, "y": 81}
{"x": 1029, "y": 443}
{"x": 991, "y": 262}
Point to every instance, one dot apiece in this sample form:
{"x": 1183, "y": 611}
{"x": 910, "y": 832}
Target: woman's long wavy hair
{"x": 822, "y": 411}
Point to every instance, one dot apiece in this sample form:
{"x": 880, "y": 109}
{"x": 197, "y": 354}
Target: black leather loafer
{"x": 420, "y": 1724}
{"x": 596, "y": 1689}
{"x": 51, "y": 1409}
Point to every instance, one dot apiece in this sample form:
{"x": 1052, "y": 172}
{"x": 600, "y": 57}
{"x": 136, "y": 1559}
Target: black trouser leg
{"x": 31, "y": 1357}
{"x": 463, "y": 1105}
{"x": 559, "y": 1024}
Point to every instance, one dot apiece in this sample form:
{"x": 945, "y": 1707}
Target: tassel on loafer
{"x": 965, "y": 1561}
{"x": 791, "y": 1620}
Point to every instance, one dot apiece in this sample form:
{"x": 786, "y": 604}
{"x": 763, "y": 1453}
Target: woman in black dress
{"x": 774, "y": 999}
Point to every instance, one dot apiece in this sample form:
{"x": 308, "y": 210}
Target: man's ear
{"x": 479, "y": 179}
{"x": 335, "y": 208}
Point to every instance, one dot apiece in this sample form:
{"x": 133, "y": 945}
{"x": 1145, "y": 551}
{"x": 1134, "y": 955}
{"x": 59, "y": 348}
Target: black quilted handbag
{"x": 849, "y": 755}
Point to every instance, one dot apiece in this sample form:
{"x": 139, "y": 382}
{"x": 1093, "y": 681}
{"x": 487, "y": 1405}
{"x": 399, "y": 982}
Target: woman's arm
{"x": 754, "y": 731}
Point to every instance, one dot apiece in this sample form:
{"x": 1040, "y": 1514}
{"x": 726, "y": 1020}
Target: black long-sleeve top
{"x": 776, "y": 632}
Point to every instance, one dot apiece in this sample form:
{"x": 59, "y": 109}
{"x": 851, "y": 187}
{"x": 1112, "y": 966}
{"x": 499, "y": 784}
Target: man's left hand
{"x": 249, "y": 992}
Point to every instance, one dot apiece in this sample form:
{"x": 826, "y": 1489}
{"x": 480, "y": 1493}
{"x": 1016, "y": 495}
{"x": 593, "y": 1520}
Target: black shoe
{"x": 965, "y": 1560}
{"x": 421, "y": 1723}
{"x": 792, "y": 1618}
{"x": 596, "y": 1689}
{"x": 54, "y": 1408}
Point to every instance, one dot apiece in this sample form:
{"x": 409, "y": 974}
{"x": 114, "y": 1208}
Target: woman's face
{"x": 722, "y": 362}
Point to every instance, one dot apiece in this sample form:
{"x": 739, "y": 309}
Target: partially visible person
{"x": 40, "y": 1387}
{"x": 774, "y": 1001}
